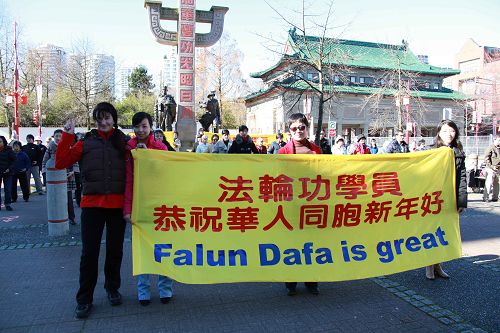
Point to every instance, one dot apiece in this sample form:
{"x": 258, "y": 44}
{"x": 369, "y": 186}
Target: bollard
{"x": 57, "y": 200}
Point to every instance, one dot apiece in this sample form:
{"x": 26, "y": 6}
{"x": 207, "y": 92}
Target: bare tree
{"x": 89, "y": 77}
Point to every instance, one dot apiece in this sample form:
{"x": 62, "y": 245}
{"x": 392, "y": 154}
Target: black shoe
{"x": 82, "y": 310}
{"x": 144, "y": 302}
{"x": 114, "y": 297}
{"x": 494, "y": 200}
{"x": 313, "y": 290}
{"x": 9, "y": 208}
{"x": 291, "y": 291}
{"x": 14, "y": 201}
{"x": 165, "y": 300}
{"x": 40, "y": 193}
{"x": 26, "y": 200}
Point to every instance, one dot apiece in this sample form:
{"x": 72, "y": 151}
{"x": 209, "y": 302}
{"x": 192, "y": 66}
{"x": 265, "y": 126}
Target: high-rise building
{"x": 52, "y": 59}
{"x": 122, "y": 87}
{"x": 102, "y": 73}
{"x": 170, "y": 69}
{"x": 423, "y": 58}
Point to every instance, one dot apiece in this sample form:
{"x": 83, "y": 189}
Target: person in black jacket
{"x": 43, "y": 149}
{"x": 7, "y": 166}
{"x": 33, "y": 152}
{"x": 23, "y": 165}
{"x": 324, "y": 143}
{"x": 398, "y": 144}
{"x": 447, "y": 136}
{"x": 243, "y": 143}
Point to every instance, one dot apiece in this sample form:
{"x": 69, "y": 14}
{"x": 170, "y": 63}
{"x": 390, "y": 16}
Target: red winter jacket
{"x": 289, "y": 148}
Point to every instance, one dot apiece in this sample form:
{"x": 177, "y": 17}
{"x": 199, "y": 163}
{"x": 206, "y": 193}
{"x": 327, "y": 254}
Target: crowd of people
{"x": 100, "y": 171}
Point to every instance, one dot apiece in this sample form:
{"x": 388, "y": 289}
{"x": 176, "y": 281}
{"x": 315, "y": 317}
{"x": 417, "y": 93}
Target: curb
{"x": 447, "y": 317}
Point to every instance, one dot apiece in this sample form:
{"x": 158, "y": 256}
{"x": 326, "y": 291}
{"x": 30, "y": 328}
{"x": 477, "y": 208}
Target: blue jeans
{"x": 144, "y": 286}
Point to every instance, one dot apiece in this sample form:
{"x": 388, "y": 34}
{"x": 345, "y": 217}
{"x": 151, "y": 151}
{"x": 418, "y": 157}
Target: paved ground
{"x": 39, "y": 277}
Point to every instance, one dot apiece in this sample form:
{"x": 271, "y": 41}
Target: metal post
{"x": 16, "y": 85}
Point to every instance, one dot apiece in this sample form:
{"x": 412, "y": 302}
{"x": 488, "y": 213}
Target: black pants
{"x": 7, "y": 188}
{"x": 71, "y": 208}
{"x": 23, "y": 182}
{"x": 78, "y": 191}
{"x": 92, "y": 223}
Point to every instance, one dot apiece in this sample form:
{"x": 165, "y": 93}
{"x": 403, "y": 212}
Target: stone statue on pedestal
{"x": 165, "y": 110}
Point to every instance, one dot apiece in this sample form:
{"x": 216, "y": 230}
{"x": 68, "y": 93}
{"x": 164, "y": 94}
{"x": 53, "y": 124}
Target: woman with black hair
{"x": 447, "y": 136}
{"x": 7, "y": 166}
{"x": 101, "y": 154}
{"x": 160, "y": 136}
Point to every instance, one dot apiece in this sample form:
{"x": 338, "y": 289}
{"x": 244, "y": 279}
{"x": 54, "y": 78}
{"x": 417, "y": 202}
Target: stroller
{"x": 476, "y": 179}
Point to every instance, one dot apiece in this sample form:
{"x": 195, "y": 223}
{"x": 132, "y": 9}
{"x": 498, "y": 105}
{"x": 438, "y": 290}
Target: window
{"x": 361, "y": 80}
{"x": 336, "y": 79}
{"x": 435, "y": 86}
{"x": 352, "y": 79}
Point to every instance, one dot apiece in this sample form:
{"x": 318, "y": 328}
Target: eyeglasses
{"x": 300, "y": 128}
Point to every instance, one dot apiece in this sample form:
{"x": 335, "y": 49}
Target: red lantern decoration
{"x": 24, "y": 99}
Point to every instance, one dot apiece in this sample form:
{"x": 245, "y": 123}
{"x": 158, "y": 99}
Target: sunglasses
{"x": 300, "y": 128}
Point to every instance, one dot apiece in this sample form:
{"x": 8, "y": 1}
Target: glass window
{"x": 361, "y": 80}
{"x": 353, "y": 79}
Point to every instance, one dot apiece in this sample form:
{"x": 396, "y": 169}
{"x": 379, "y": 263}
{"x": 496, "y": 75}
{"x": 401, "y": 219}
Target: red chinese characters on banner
{"x": 277, "y": 189}
{"x": 187, "y": 2}
{"x": 314, "y": 215}
{"x": 186, "y": 112}
{"x": 377, "y": 211}
{"x": 348, "y": 215}
{"x": 187, "y": 46}
{"x": 406, "y": 207}
{"x": 186, "y": 79}
{"x": 350, "y": 186}
{"x": 203, "y": 218}
{"x": 428, "y": 201}
{"x": 186, "y": 63}
{"x": 239, "y": 191}
{"x": 385, "y": 182}
{"x": 318, "y": 181}
{"x": 187, "y": 30}
{"x": 280, "y": 216}
{"x": 169, "y": 218}
{"x": 187, "y": 14}
{"x": 242, "y": 219}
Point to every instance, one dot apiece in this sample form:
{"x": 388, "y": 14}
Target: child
{"x": 144, "y": 138}
{"x": 299, "y": 144}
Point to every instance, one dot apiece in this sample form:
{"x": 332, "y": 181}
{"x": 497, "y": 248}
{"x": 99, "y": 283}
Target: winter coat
{"x": 23, "y": 162}
{"x": 325, "y": 146}
{"x": 241, "y": 146}
{"x": 275, "y": 146}
{"x": 360, "y": 148}
{"x": 397, "y": 147}
{"x": 289, "y": 148}
{"x": 33, "y": 151}
{"x": 7, "y": 161}
{"x": 220, "y": 147}
{"x": 373, "y": 150}
{"x": 151, "y": 143}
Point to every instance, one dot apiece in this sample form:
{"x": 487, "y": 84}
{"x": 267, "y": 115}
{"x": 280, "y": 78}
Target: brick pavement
{"x": 38, "y": 287}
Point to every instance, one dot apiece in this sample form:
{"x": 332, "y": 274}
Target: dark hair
{"x": 16, "y": 143}
{"x": 298, "y": 117}
{"x": 4, "y": 140}
{"x": 140, "y": 116}
{"x": 242, "y": 128}
{"x": 57, "y": 131}
{"x": 225, "y": 132}
{"x": 454, "y": 143}
{"x": 158, "y": 130}
{"x": 105, "y": 107}
{"x": 421, "y": 141}
{"x": 279, "y": 136}
{"x": 30, "y": 136}
{"x": 214, "y": 136}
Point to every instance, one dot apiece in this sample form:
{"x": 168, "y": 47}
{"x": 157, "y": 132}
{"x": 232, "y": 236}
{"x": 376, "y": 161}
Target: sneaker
{"x": 82, "y": 310}
{"x": 40, "y": 193}
{"x": 114, "y": 297}
{"x": 165, "y": 300}
{"x": 494, "y": 200}
{"x": 291, "y": 291}
{"x": 144, "y": 302}
{"x": 9, "y": 208}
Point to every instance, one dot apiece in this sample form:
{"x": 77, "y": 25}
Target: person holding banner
{"x": 299, "y": 144}
{"x": 142, "y": 123}
{"x": 447, "y": 136}
{"x": 102, "y": 156}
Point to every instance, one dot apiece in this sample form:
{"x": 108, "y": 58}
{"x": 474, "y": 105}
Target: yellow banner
{"x": 213, "y": 218}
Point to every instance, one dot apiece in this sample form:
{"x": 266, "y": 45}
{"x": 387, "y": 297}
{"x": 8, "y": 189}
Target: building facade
{"x": 362, "y": 87}
{"x": 480, "y": 78}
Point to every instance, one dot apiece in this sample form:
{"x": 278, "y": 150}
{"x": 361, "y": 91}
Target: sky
{"x": 437, "y": 28}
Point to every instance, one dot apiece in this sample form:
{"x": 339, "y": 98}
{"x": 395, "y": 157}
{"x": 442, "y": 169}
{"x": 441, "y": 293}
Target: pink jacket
{"x": 129, "y": 181}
